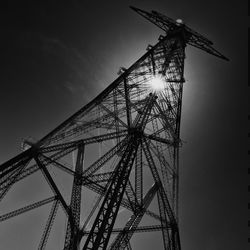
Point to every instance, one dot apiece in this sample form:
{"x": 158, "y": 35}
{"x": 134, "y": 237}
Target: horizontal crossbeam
{"x": 142, "y": 229}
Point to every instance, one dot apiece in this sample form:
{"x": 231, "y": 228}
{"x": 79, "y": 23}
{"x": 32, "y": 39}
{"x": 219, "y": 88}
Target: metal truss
{"x": 119, "y": 153}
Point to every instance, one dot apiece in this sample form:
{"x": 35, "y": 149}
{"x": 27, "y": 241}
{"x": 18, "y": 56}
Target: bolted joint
{"x": 136, "y": 132}
{"x": 149, "y": 47}
{"x": 161, "y": 37}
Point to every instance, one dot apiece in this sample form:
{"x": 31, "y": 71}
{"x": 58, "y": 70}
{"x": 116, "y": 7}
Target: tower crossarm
{"x": 172, "y": 27}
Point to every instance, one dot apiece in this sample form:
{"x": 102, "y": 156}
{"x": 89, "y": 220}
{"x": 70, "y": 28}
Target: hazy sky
{"x": 56, "y": 57}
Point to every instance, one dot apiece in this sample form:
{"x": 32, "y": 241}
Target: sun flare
{"x": 157, "y": 83}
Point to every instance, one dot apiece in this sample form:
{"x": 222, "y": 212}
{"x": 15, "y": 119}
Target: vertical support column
{"x": 116, "y": 114}
{"x": 138, "y": 176}
{"x": 163, "y": 215}
{"x": 72, "y": 235}
{"x": 153, "y": 62}
{"x": 127, "y": 100}
{"x": 170, "y": 236}
{"x": 180, "y": 64}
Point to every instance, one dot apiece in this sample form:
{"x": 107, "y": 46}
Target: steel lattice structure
{"x": 126, "y": 142}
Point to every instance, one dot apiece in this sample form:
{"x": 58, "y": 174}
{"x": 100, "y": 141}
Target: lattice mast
{"x": 136, "y": 122}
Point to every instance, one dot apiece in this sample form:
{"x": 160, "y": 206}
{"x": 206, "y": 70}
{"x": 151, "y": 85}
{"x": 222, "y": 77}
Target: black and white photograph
{"x": 124, "y": 125}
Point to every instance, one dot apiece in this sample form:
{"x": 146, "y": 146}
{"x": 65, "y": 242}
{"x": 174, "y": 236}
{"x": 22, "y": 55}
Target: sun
{"x": 157, "y": 83}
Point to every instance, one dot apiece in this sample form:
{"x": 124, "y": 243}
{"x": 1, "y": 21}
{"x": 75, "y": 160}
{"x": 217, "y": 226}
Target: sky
{"x": 58, "y": 56}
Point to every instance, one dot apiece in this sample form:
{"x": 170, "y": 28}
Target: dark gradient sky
{"x": 56, "y": 57}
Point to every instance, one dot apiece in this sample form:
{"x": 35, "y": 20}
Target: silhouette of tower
{"x": 126, "y": 142}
